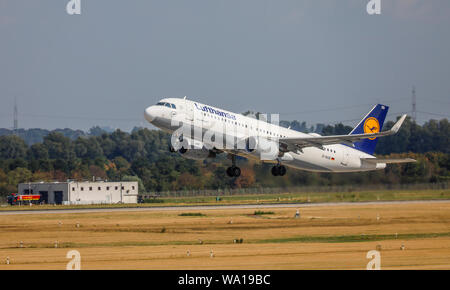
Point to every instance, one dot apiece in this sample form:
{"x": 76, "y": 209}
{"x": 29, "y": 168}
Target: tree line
{"x": 143, "y": 155}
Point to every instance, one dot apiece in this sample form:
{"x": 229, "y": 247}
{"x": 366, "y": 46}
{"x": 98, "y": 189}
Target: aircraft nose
{"x": 150, "y": 113}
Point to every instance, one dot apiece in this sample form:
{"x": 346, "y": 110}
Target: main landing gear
{"x": 278, "y": 170}
{"x": 233, "y": 170}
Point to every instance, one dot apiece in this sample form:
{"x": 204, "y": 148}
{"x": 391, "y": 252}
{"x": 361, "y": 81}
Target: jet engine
{"x": 268, "y": 149}
{"x": 196, "y": 150}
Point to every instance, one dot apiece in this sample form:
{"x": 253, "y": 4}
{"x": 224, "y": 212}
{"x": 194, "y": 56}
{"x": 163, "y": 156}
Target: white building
{"x": 84, "y": 192}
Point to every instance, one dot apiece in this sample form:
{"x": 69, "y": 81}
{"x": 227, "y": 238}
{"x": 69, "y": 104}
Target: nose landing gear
{"x": 233, "y": 170}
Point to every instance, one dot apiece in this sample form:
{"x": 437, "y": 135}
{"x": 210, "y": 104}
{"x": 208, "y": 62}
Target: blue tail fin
{"x": 371, "y": 123}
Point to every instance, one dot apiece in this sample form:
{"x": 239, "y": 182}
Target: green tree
{"x": 59, "y": 147}
{"x": 12, "y": 147}
{"x": 19, "y": 175}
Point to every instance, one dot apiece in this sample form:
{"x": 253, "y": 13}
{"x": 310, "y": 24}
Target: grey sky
{"x": 299, "y": 58}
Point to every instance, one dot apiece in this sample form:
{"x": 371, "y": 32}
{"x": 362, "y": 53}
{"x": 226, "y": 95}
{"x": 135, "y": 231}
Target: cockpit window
{"x": 169, "y": 105}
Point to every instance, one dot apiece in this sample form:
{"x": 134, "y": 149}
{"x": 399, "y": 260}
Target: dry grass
{"x": 323, "y": 238}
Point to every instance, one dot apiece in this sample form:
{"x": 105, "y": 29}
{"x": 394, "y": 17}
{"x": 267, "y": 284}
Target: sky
{"x": 319, "y": 61}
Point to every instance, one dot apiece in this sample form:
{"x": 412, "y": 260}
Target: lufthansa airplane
{"x": 201, "y": 131}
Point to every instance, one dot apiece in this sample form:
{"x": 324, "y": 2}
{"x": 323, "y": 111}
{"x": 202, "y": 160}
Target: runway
{"x": 214, "y": 207}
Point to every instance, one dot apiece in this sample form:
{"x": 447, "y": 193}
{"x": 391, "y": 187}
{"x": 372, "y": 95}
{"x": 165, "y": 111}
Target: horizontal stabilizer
{"x": 388, "y": 161}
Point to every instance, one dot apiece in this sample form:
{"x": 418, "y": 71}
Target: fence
{"x": 297, "y": 189}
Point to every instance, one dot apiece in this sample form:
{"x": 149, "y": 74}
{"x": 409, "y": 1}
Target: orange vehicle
{"x": 15, "y": 198}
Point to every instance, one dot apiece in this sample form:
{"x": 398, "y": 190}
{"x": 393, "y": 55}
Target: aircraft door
{"x": 345, "y": 156}
{"x": 189, "y": 110}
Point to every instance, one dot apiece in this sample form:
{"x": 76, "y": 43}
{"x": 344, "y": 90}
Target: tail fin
{"x": 371, "y": 123}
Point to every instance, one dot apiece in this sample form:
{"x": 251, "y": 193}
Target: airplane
{"x": 200, "y": 131}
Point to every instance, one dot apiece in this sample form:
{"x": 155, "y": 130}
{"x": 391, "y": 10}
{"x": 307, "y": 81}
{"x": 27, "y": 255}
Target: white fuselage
{"x": 330, "y": 158}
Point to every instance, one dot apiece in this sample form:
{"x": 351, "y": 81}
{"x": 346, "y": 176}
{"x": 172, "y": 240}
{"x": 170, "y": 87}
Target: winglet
{"x": 399, "y": 123}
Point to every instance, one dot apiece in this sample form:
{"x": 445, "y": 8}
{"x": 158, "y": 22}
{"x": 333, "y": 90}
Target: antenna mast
{"x": 414, "y": 112}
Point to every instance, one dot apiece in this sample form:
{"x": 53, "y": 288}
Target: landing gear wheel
{"x": 233, "y": 171}
{"x": 229, "y": 172}
{"x": 236, "y": 171}
{"x": 278, "y": 170}
{"x": 282, "y": 170}
{"x": 275, "y": 171}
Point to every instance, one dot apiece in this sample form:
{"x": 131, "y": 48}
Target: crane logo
{"x": 371, "y": 125}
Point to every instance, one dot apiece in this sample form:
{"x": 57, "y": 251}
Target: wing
{"x": 320, "y": 141}
{"x": 388, "y": 161}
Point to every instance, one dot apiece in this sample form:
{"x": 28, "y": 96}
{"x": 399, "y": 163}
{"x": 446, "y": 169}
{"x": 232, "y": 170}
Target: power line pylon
{"x": 16, "y": 120}
{"x": 414, "y": 111}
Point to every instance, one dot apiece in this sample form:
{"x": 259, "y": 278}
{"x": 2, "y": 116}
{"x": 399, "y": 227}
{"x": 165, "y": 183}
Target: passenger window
{"x": 167, "y": 105}
{"x": 173, "y": 106}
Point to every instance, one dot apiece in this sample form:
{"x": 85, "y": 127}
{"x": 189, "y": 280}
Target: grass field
{"x": 333, "y": 237}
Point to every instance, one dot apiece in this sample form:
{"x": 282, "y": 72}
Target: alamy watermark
{"x": 73, "y": 7}
{"x": 374, "y": 7}
{"x": 75, "y": 260}
{"x": 212, "y": 129}
{"x": 375, "y": 263}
